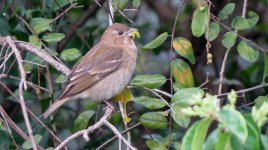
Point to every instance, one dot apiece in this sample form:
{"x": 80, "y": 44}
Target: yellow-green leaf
{"x": 246, "y": 52}
{"x": 184, "y": 48}
{"x": 156, "y": 42}
{"x": 53, "y": 37}
{"x": 229, "y": 39}
{"x": 214, "y": 30}
{"x": 70, "y": 54}
{"x": 182, "y": 73}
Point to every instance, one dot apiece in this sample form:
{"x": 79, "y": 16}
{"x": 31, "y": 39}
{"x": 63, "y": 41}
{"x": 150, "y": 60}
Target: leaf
{"x": 241, "y": 23}
{"x": 53, "y": 37}
{"x": 149, "y": 81}
{"x": 200, "y": 21}
{"x": 155, "y": 145}
{"x": 265, "y": 72}
{"x": 234, "y": 122}
{"x": 81, "y": 122}
{"x": 247, "y": 52}
{"x": 70, "y": 54}
{"x": 28, "y": 144}
{"x": 184, "y": 48}
{"x": 182, "y": 73}
{"x": 41, "y": 24}
{"x": 200, "y": 133}
{"x": 153, "y": 120}
{"x": 180, "y": 117}
{"x": 187, "y": 97}
{"x": 223, "y": 142}
{"x": 151, "y": 103}
{"x": 253, "y": 139}
{"x": 226, "y": 11}
{"x": 264, "y": 140}
{"x": 120, "y": 4}
{"x": 136, "y": 3}
{"x": 211, "y": 140}
{"x": 156, "y": 42}
{"x": 260, "y": 100}
{"x": 229, "y": 39}
{"x": 61, "y": 79}
{"x": 33, "y": 39}
{"x": 195, "y": 136}
{"x": 214, "y": 30}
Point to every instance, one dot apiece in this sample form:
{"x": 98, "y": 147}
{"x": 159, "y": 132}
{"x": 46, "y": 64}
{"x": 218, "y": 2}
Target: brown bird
{"x": 105, "y": 70}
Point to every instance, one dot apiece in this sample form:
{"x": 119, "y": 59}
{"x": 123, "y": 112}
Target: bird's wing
{"x": 95, "y": 66}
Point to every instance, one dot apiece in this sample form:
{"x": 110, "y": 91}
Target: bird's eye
{"x": 120, "y": 32}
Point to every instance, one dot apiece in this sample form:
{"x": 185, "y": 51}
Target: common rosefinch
{"x": 105, "y": 70}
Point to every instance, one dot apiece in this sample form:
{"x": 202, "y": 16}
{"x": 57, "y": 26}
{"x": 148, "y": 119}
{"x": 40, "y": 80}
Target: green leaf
{"x": 247, "y": 52}
{"x": 28, "y": 144}
{"x": 155, "y": 145}
{"x": 153, "y": 120}
{"x": 120, "y": 4}
{"x": 156, "y": 42}
{"x": 31, "y": 58}
{"x": 184, "y": 48}
{"x": 200, "y": 21}
{"x": 234, "y": 122}
{"x": 33, "y": 39}
{"x": 211, "y": 140}
{"x": 53, "y": 37}
{"x": 264, "y": 140}
{"x": 4, "y": 25}
{"x": 182, "y": 73}
{"x": 241, "y": 23}
{"x": 223, "y": 142}
{"x": 70, "y": 54}
{"x": 151, "y": 103}
{"x": 195, "y": 136}
{"x": 229, "y": 39}
{"x": 41, "y": 24}
{"x": 81, "y": 122}
{"x": 226, "y": 11}
{"x": 187, "y": 97}
{"x": 179, "y": 116}
{"x": 136, "y": 3}
{"x": 214, "y": 30}
{"x": 200, "y": 133}
{"x": 253, "y": 139}
{"x": 265, "y": 73}
{"x": 260, "y": 100}
{"x": 149, "y": 81}
{"x": 59, "y": 4}
{"x": 61, "y": 79}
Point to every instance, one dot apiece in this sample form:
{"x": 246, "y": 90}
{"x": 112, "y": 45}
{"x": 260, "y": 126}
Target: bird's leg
{"x": 109, "y": 105}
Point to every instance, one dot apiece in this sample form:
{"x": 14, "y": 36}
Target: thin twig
{"x": 124, "y": 115}
{"x": 90, "y": 129}
{"x": 245, "y": 90}
{"x": 111, "y": 12}
{"x": 113, "y": 138}
{"x": 73, "y": 5}
{"x": 118, "y": 134}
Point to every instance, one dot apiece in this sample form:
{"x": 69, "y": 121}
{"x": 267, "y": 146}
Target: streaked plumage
{"x": 105, "y": 70}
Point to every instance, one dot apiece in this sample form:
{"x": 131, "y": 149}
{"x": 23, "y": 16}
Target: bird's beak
{"x": 133, "y": 33}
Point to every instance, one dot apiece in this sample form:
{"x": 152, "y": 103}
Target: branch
{"x": 90, "y": 129}
{"x": 245, "y": 90}
{"x": 21, "y": 85}
{"x": 39, "y": 52}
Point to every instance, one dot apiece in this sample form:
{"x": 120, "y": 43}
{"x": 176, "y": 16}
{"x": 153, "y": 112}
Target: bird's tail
{"x": 53, "y": 107}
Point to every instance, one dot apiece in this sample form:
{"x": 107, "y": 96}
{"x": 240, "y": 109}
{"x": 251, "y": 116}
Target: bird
{"x": 105, "y": 70}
